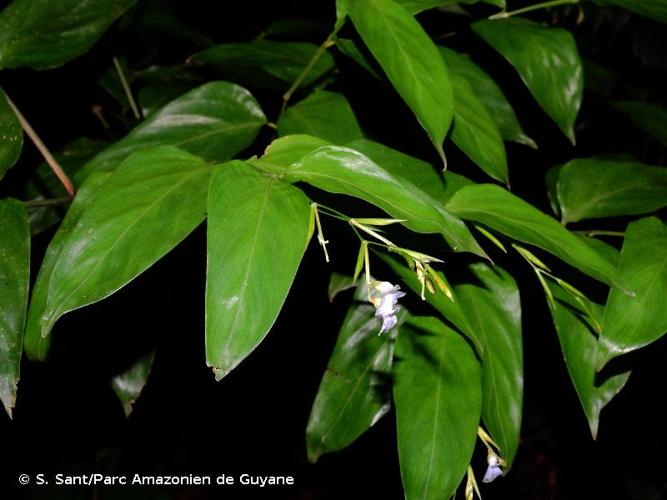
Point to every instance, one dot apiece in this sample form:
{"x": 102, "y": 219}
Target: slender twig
{"x": 126, "y": 87}
{"x": 54, "y": 202}
{"x": 50, "y": 160}
{"x": 601, "y": 232}
{"x": 529, "y": 8}
{"x": 331, "y": 40}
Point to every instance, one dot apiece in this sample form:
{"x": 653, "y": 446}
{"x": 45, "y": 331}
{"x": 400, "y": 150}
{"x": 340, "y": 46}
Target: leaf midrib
{"x": 246, "y": 273}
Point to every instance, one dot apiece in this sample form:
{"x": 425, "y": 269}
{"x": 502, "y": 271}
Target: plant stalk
{"x": 126, "y": 88}
{"x": 330, "y": 41}
{"x": 44, "y": 151}
{"x": 530, "y": 8}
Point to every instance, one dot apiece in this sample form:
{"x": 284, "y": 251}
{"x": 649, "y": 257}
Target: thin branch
{"x": 601, "y": 232}
{"x": 529, "y": 8}
{"x": 44, "y": 151}
{"x": 126, "y": 87}
{"x": 331, "y": 40}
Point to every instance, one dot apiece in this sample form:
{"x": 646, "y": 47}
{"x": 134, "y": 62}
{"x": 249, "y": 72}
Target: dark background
{"x": 67, "y": 418}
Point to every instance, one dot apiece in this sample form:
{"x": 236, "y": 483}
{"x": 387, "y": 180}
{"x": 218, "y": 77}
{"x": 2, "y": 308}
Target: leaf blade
{"x": 14, "y": 282}
{"x": 42, "y": 34}
{"x": 214, "y": 121}
{"x": 245, "y": 290}
{"x": 410, "y": 61}
{"x": 558, "y": 85}
{"x": 509, "y": 214}
{"x": 631, "y": 322}
{"x": 438, "y": 404}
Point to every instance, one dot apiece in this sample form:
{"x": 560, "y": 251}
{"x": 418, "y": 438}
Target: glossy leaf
{"x": 37, "y": 339}
{"x": 345, "y": 171}
{"x": 492, "y": 293}
{"x": 286, "y": 151}
{"x": 502, "y": 211}
{"x": 355, "y": 392}
{"x": 410, "y": 60}
{"x": 440, "y": 185}
{"x": 475, "y": 132}
{"x": 438, "y": 402}
{"x": 215, "y": 122}
{"x": 129, "y": 384}
{"x": 492, "y": 307}
{"x": 44, "y": 33}
{"x": 14, "y": 282}
{"x": 631, "y": 322}
{"x": 323, "y": 114}
{"x": 282, "y": 60}
{"x": 594, "y": 188}
{"x": 656, "y": 9}
{"x": 651, "y": 118}
{"x": 11, "y": 136}
{"x": 149, "y": 204}
{"x": 254, "y": 221}
{"x": 579, "y": 346}
{"x": 489, "y": 93}
{"x": 547, "y": 61}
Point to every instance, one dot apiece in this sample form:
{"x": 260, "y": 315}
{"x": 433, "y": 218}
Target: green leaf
{"x": 129, "y": 384}
{"x": 255, "y": 221}
{"x": 579, "y": 345}
{"x": 489, "y": 93}
{"x": 440, "y": 185}
{"x": 323, "y": 114}
{"x": 345, "y": 171}
{"x": 631, "y": 322}
{"x": 656, "y": 9}
{"x": 651, "y": 118}
{"x": 475, "y": 132}
{"x": 37, "y": 339}
{"x": 354, "y": 393}
{"x": 438, "y": 403}
{"x": 547, "y": 60}
{"x": 492, "y": 293}
{"x": 411, "y": 62}
{"x": 282, "y": 60}
{"x": 11, "y": 136}
{"x": 149, "y": 204}
{"x": 45, "y": 33}
{"x": 339, "y": 283}
{"x": 286, "y": 151}
{"x": 14, "y": 282}
{"x": 502, "y": 211}
{"x": 492, "y": 307}
{"x": 592, "y": 188}
{"x": 215, "y": 121}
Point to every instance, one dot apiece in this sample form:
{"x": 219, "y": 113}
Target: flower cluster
{"x": 384, "y": 296}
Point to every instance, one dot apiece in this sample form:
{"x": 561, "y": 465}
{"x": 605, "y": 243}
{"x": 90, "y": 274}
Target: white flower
{"x": 493, "y": 470}
{"x": 384, "y": 296}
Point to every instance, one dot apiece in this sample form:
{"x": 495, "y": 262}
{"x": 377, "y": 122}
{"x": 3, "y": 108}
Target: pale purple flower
{"x": 384, "y": 296}
{"x": 493, "y": 470}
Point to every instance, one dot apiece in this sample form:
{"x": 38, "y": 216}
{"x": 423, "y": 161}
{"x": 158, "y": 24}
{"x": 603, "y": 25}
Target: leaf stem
{"x": 44, "y": 151}
{"x": 602, "y": 232}
{"x": 330, "y": 41}
{"x": 126, "y": 88}
{"x": 529, "y": 8}
{"x": 53, "y": 202}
